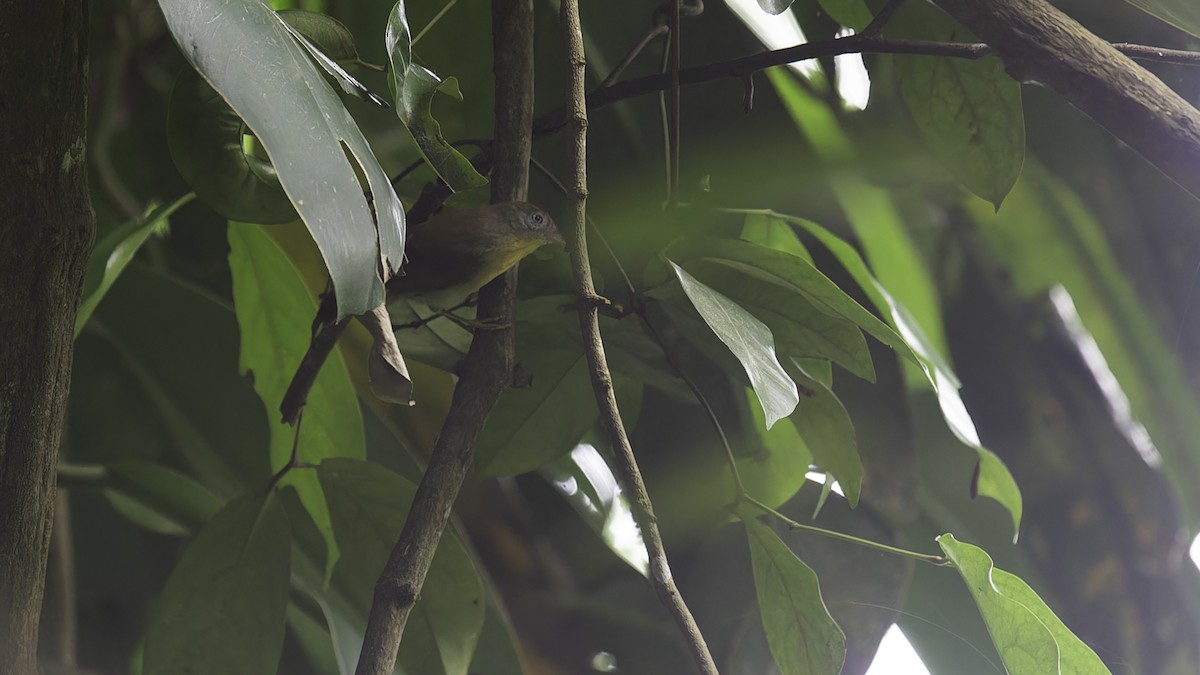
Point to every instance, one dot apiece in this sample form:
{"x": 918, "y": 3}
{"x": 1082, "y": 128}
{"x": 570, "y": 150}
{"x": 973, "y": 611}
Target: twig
{"x": 673, "y": 108}
{"x": 650, "y": 36}
{"x": 488, "y": 365}
{"x": 589, "y": 323}
{"x": 738, "y": 68}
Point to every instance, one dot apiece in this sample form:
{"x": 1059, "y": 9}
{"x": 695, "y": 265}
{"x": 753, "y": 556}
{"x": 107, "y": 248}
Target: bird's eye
{"x": 538, "y": 218}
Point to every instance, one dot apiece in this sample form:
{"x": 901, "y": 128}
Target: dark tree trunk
{"x": 46, "y": 232}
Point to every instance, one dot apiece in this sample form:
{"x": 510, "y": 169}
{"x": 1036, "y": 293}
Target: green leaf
{"x": 803, "y": 638}
{"x": 415, "y": 86}
{"x": 1029, "y": 638}
{"x": 852, "y": 13}
{"x": 160, "y": 498}
{"x": 968, "y": 111}
{"x": 274, "y": 311}
{"x": 533, "y": 425}
{"x": 775, "y": 476}
{"x": 369, "y": 505}
{"x": 794, "y": 274}
{"x": 223, "y": 607}
{"x": 113, "y": 253}
{"x": 828, "y": 432}
{"x": 1183, "y": 14}
{"x": 750, "y": 341}
{"x": 231, "y": 43}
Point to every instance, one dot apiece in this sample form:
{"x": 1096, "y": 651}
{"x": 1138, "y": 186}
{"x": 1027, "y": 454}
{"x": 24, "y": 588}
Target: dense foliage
{"x": 965, "y": 308}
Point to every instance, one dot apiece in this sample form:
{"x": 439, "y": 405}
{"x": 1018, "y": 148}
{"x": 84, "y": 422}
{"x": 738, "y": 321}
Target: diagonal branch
{"x": 589, "y": 322}
{"x": 488, "y": 365}
{"x": 1038, "y": 43}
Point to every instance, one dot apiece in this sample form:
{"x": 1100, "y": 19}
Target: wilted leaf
{"x": 415, "y": 86}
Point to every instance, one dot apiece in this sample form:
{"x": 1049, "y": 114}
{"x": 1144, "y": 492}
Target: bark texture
{"x": 46, "y": 234}
{"x": 1038, "y": 43}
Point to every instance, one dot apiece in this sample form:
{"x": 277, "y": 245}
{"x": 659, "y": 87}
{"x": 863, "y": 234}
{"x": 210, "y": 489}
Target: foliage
{"x": 962, "y": 290}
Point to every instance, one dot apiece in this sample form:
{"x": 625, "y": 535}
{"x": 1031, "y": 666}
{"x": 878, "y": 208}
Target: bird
{"x": 448, "y": 257}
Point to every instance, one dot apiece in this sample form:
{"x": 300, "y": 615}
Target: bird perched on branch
{"x": 447, "y": 258}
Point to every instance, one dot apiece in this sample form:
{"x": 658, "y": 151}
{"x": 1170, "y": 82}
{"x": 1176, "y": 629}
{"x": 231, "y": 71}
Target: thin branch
{"x": 650, "y": 36}
{"x": 673, "y": 107}
{"x": 589, "y": 323}
{"x": 739, "y": 68}
{"x": 485, "y": 371}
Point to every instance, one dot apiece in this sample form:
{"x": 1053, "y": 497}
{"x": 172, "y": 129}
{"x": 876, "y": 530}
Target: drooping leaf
{"x": 113, "y": 253}
{"x": 749, "y": 340}
{"x": 1031, "y": 640}
{"x": 274, "y": 313}
{"x": 415, "y": 86}
{"x": 969, "y": 111}
{"x": 776, "y": 475}
{"x": 827, "y": 430}
{"x": 368, "y": 505}
{"x": 243, "y": 49}
{"x": 223, "y": 608}
{"x": 803, "y": 638}
{"x": 302, "y": 24}
{"x": 1183, "y": 14}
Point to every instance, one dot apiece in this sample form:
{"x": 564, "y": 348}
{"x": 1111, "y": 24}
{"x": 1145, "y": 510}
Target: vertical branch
{"x": 487, "y": 369}
{"x": 589, "y": 322}
{"x": 673, "y": 106}
{"x": 45, "y": 239}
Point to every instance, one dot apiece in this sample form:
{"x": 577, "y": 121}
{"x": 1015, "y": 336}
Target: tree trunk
{"x": 46, "y": 232}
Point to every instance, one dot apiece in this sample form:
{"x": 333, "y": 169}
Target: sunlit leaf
{"x": 223, "y": 608}
{"x": 803, "y": 637}
{"x": 274, "y": 311}
{"x": 749, "y": 340}
{"x": 368, "y": 505}
{"x": 1029, "y": 638}
{"x": 243, "y": 49}
{"x": 415, "y": 86}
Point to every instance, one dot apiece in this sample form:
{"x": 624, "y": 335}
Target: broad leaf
{"x": 243, "y": 49}
{"x": 969, "y": 111}
{"x": 852, "y": 13}
{"x": 827, "y": 430}
{"x": 803, "y": 637}
{"x": 368, "y": 505}
{"x": 274, "y": 312}
{"x": 776, "y": 475}
{"x": 415, "y": 86}
{"x": 749, "y": 340}
{"x": 1029, "y": 638}
{"x": 223, "y": 608}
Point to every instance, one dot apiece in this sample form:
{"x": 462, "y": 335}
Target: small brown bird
{"x": 447, "y": 258}
{"x": 455, "y": 253}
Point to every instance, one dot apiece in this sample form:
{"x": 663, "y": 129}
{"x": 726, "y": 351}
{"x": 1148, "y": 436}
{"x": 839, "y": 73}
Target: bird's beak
{"x": 555, "y": 238}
